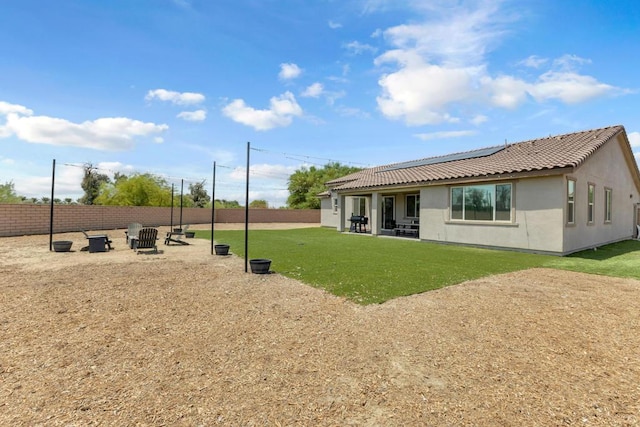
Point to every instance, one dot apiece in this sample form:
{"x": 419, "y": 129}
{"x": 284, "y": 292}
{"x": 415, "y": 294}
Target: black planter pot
{"x": 189, "y": 234}
{"x": 222, "y": 249}
{"x": 260, "y": 265}
{"x": 62, "y": 245}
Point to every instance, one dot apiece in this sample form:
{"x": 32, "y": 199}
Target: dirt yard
{"x": 186, "y": 338}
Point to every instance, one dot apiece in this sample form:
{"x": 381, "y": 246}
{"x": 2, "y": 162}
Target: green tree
{"x": 306, "y": 183}
{"x": 259, "y": 204}
{"x": 92, "y": 182}
{"x": 198, "y": 195}
{"x": 227, "y": 204}
{"x": 8, "y": 193}
{"x": 136, "y": 190}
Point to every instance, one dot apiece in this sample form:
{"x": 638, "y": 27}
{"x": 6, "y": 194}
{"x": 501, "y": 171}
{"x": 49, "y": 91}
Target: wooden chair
{"x": 132, "y": 233}
{"x": 146, "y": 239}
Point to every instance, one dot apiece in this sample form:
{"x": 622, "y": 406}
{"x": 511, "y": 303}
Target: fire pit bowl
{"x": 260, "y": 265}
{"x": 222, "y": 249}
{"x": 62, "y": 245}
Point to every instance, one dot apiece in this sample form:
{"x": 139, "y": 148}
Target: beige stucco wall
{"x": 328, "y": 218}
{"x": 536, "y": 226}
{"x": 605, "y": 168}
{"x": 539, "y": 215}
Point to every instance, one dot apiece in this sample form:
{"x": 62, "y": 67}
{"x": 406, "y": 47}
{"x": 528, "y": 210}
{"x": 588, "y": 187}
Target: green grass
{"x": 373, "y": 270}
{"x": 619, "y": 260}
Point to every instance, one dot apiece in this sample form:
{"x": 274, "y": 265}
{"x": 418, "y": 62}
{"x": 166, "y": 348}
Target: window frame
{"x": 362, "y": 205}
{"x": 608, "y": 205}
{"x": 571, "y": 202}
{"x": 416, "y": 205}
{"x": 591, "y": 203}
{"x": 462, "y": 213}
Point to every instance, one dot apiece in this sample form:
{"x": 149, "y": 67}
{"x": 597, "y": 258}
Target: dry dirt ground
{"x": 187, "y": 338}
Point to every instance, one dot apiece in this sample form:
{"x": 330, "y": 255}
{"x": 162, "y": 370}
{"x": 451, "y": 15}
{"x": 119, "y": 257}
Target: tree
{"x": 8, "y": 193}
{"x": 306, "y": 183}
{"x": 136, "y": 190}
{"x": 91, "y": 184}
{"x": 259, "y": 204}
{"x": 198, "y": 195}
{"x": 227, "y": 204}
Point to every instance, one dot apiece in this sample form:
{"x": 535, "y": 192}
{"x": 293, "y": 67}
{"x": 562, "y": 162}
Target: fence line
{"x": 28, "y": 219}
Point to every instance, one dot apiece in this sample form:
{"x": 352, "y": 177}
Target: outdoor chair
{"x": 132, "y": 233}
{"x": 147, "y": 238}
{"x": 98, "y": 242}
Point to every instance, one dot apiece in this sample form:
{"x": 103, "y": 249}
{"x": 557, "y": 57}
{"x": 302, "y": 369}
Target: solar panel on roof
{"x": 483, "y": 152}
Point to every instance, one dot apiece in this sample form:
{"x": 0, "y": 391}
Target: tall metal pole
{"x": 53, "y": 181}
{"x": 213, "y": 204}
{"x": 246, "y": 215}
{"x": 181, "y": 190}
{"x": 171, "y": 225}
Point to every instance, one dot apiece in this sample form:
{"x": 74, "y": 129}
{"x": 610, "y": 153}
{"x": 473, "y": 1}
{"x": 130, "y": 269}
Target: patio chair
{"x": 147, "y": 238}
{"x": 132, "y": 233}
{"x": 98, "y": 242}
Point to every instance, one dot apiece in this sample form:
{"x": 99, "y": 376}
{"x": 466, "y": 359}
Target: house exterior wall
{"x": 606, "y": 168}
{"x": 329, "y": 218}
{"x": 536, "y": 226}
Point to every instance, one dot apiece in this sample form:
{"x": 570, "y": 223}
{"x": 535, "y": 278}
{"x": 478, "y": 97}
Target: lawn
{"x": 373, "y": 270}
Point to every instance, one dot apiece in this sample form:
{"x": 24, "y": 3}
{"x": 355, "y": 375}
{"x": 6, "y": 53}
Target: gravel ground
{"x": 184, "y": 337}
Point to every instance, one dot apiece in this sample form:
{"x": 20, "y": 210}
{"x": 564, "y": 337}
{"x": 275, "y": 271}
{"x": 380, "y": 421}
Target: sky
{"x": 169, "y": 87}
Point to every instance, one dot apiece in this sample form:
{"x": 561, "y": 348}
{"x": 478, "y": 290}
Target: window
{"x": 591, "y": 195}
{"x": 607, "y": 205}
{"x": 359, "y": 206}
{"x": 413, "y": 206}
{"x": 571, "y": 199}
{"x": 334, "y": 203}
{"x": 481, "y": 202}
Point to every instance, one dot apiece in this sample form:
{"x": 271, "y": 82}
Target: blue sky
{"x": 170, "y": 86}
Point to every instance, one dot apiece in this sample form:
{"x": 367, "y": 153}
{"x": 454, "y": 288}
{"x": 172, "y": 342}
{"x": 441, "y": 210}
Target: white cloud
{"x": 289, "y": 71}
{"x": 313, "y": 91}
{"x": 281, "y": 111}
{"x": 634, "y": 139}
{"x": 264, "y": 170}
{"x": 533, "y": 61}
{"x": 479, "y": 119}
{"x": 334, "y": 25}
{"x": 352, "y": 112}
{"x": 506, "y": 91}
{"x": 427, "y": 74}
{"x": 6, "y": 108}
{"x": 569, "y": 62}
{"x": 358, "y": 48}
{"x": 178, "y": 98}
{"x": 193, "y": 116}
{"x": 111, "y": 133}
{"x": 420, "y": 93}
{"x": 444, "y": 134}
{"x": 570, "y": 88}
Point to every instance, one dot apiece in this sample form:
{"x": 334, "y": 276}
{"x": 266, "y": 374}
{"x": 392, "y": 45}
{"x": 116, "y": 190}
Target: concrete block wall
{"x": 27, "y": 219}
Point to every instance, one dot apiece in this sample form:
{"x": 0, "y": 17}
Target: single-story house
{"x": 556, "y": 195}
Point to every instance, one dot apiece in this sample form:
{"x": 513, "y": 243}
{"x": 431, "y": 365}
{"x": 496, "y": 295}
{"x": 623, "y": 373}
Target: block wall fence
{"x": 27, "y": 219}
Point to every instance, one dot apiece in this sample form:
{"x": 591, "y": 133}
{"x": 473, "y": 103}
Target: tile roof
{"x": 553, "y": 152}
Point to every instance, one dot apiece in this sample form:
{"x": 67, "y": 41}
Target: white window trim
{"x": 572, "y": 202}
{"x": 416, "y": 205}
{"x": 608, "y": 205}
{"x": 493, "y": 221}
{"x": 591, "y": 204}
